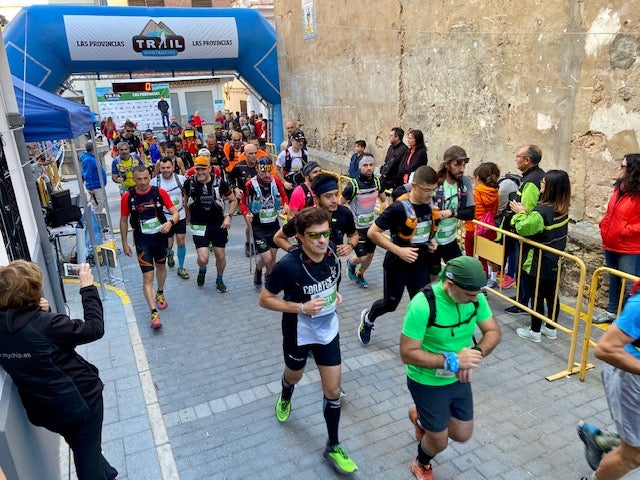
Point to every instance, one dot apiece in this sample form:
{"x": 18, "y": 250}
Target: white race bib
{"x": 151, "y": 226}
{"x": 198, "y": 230}
{"x": 330, "y": 298}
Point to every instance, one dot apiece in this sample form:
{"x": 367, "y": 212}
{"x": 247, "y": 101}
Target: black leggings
{"x": 546, "y": 293}
{"x": 397, "y": 276}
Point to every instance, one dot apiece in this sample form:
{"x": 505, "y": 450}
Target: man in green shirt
{"x": 441, "y": 353}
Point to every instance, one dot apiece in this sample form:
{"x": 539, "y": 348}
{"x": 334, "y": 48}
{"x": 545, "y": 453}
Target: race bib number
{"x": 330, "y": 298}
{"x": 198, "y": 230}
{"x": 268, "y": 216}
{"x": 151, "y": 226}
{"x": 421, "y": 233}
{"x": 447, "y": 231}
{"x": 365, "y": 219}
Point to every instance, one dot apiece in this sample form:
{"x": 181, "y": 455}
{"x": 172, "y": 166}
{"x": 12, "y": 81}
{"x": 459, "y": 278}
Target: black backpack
{"x": 134, "y": 217}
{"x": 431, "y": 298}
{"x": 295, "y": 178}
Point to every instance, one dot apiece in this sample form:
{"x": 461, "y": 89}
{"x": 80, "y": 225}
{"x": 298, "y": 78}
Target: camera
{"x": 71, "y": 270}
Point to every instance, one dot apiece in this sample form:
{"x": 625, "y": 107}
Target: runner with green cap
{"x": 440, "y": 352}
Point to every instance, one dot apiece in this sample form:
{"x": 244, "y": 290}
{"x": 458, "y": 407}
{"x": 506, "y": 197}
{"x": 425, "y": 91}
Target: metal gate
{"x": 10, "y": 221}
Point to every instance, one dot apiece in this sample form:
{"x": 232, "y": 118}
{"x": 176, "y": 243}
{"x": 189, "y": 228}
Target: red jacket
{"x": 620, "y": 226}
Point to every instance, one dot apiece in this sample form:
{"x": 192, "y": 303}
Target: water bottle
{"x": 440, "y": 197}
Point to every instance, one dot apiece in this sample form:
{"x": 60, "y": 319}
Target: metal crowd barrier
{"x": 593, "y": 290}
{"x": 494, "y": 251}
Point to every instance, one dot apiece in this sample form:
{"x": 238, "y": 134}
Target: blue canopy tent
{"x": 48, "y": 116}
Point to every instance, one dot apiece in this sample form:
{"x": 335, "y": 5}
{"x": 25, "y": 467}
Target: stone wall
{"x": 489, "y": 76}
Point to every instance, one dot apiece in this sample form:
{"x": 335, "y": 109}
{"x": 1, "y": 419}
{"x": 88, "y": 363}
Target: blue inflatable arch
{"x": 46, "y": 44}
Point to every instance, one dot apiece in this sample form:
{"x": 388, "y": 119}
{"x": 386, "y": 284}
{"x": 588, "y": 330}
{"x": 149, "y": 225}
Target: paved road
{"x": 196, "y": 399}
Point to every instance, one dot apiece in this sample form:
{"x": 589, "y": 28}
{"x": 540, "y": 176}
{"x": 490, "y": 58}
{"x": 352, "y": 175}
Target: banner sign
{"x": 139, "y": 107}
{"x": 92, "y": 37}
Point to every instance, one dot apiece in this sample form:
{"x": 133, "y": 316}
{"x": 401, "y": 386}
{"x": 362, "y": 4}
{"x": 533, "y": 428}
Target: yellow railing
{"x": 593, "y": 290}
{"x": 494, "y": 251}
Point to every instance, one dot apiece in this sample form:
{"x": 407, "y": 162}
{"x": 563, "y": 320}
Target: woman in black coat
{"x": 59, "y": 389}
{"x": 416, "y": 157}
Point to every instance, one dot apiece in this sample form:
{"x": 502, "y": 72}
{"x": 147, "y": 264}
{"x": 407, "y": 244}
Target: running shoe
{"x": 550, "y": 333}
{"x": 342, "y": 392}
{"x": 361, "y": 281}
{"x": 257, "y": 278}
{"x": 283, "y": 409}
{"x": 364, "y": 330}
{"x": 340, "y": 460}
{"x": 200, "y": 279}
{"x": 604, "y": 317}
{"x": 155, "y": 320}
{"x": 507, "y": 282}
{"x": 210, "y": 247}
{"x": 515, "y": 310}
{"x": 592, "y": 450}
{"x": 422, "y": 472}
{"x": 492, "y": 283}
{"x": 351, "y": 270}
{"x": 171, "y": 262}
{"x": 529, "y": 334}
{"x": 413, "y": 416}
{"x": 182, "y": 273}
{"x": 220, "y": 286}
{"x": 161, "y": 301}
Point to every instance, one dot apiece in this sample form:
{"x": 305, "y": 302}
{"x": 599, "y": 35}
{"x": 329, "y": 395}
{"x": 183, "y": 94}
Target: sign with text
{"x": 141, "y": 107}
{"x": 92, "y": 37}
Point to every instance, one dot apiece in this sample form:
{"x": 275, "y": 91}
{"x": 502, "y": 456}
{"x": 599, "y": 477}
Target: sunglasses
{"x": 317, "y": 235}
{"x": 129, "y": 131}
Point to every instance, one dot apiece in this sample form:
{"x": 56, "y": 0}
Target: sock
{"x": 361, "y": 271}
{"x": 493, "y": 275}
{"x": 424, "y": 458}
{"x": 170, "y": 252}
{"x": 182, "y": 253}
{"x": 218, "y": 278}
{"x": 287, "y": 389}
{"x": 154, "y": 310}
{"x": 332, "y": 418}
{"x": 203, "y": 269}
{"x": 160, "y": 291}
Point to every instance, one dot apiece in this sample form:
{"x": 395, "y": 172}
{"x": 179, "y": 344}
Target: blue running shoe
{"x": 351, "y": 270}
{"x": 592, "y": 452}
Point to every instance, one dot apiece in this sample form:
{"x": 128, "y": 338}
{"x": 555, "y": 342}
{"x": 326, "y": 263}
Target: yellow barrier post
{"x": 587, "y": 342}
{"x": 494, "y": 252}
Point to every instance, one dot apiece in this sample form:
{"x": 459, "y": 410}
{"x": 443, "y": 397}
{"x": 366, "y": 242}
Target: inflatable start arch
{"x": 47, "y": 43}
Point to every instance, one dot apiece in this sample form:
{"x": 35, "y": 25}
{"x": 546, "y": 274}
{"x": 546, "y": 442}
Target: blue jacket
{"x": 90, "y": 171}
{"x": 354, "y": 168}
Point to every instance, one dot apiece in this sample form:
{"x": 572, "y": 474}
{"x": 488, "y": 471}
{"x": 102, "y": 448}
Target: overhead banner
{"x": 139, "y": 107}
{"x": 92, "y": 37}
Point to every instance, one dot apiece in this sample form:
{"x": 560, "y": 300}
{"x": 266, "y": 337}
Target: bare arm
{"x": 411, "y": 353}
{"x": 611, "y": 349}
{"x": 271, "y": 301}
{"x": 124, "y": 230}
{"x": 281, "y": 240}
